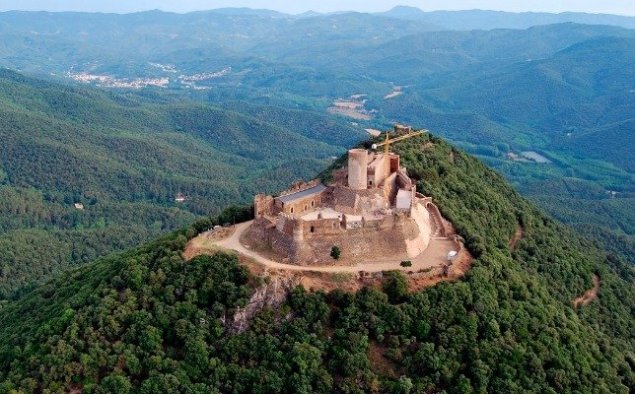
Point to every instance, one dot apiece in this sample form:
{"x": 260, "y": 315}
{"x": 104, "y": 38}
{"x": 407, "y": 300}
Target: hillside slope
{"x": 146, "y": 321}
{"x": 126, "y": 159}
{"x": 574, "y": 106}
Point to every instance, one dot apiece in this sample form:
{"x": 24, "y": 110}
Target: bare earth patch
{"x": 518, "y": 235}
{"x": 590, "y": 294}
{"x": 460, "y": 266}
{"x": 205, "y": 243}
{"x": 352, "y": 107}
{"x": 379, "y": 362}
{"x": 394, "y": 94}
{"x": 349, "y": 112}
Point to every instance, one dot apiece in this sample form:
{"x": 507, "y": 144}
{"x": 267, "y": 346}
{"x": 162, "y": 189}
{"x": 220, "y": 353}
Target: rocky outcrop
{"x": 270, "y": 295}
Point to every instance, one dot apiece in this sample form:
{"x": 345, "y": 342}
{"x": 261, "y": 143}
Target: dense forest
{"x": 146, "y": 321}
{"x": 125, "y": 159}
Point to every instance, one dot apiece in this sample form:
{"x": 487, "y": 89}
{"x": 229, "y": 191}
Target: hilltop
{"x": 146, "y": 320}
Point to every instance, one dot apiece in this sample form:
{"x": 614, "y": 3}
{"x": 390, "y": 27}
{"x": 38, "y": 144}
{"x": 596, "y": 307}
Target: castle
{"x": 371, "y": 210}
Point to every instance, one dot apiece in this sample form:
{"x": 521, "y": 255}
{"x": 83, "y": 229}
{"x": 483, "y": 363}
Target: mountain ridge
{"x": 485, "y": 19}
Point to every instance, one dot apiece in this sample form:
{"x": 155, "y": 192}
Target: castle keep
{"x": 371, "y": 210}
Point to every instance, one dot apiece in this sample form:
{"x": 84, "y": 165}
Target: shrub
{"x": 395, "y": 286}
{"x": 336, "y": 252}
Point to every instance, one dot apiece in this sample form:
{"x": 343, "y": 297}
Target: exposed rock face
{"x": 270, "y": 295}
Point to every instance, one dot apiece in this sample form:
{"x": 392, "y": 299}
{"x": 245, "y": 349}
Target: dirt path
{"x": 204, "y": 243}
{"x": 518, "y": 235}
{"x": 590, "y": 294}
{"x": 434, "y": 256}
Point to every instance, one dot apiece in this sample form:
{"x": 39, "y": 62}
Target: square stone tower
{"x": 357, "y": 169}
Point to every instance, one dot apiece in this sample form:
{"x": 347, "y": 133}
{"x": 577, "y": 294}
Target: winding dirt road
{"x": 590, "y": 294}
{"x": 434, "y": 256}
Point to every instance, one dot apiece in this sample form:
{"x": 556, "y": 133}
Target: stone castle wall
{"x": 283, "y": 244}
{"x": 367, "y": 228}
{"x": 416, "y": 244}
{"x": 380, "y": 170}
{"x": 285, "y": 224}
{"x": 299, "y": 186}
{"x": 321, "y": 227}
{"x": 391, "y": 188}
{"x": 396, "y": 236}
{"x": 361, "y": 244}
{"x": 263, "y": 205}
{"x": 403, "y": 181}
{"x": 260, "y": 230}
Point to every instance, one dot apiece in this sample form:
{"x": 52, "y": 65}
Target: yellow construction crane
{"x": 387, "y": 141}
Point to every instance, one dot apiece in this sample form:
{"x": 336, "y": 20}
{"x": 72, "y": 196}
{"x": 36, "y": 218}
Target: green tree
{"x": 336, "y": 252}
{"x": 395, "y": 286}
{"x": 114, "y": 384}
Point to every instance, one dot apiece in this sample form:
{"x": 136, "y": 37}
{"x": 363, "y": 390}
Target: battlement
{"x": 299, "y": 186}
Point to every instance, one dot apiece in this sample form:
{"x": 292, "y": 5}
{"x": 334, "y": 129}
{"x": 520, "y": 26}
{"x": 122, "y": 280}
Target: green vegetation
{"x": 406, "y": 263}
{"x": 395, "y": 286}
{"x": 336, "y": 252}
{"x": 146, "y": 321}
{"x": 125, "y": 159}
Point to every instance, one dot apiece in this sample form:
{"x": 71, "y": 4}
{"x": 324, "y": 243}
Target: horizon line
{"x": 314, "y": 12}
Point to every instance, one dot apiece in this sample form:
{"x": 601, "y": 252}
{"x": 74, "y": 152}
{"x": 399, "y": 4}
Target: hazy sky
{"x": 622, "y": 7}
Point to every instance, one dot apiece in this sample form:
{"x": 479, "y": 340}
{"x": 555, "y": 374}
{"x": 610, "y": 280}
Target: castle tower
{"x": 357, "y": 169}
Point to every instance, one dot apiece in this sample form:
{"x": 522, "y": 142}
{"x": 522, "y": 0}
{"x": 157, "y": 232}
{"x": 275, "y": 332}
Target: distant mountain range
{"x": 561, "y": 93}
{"x": 459, "y": 20}
{"x": 485, "y": 20}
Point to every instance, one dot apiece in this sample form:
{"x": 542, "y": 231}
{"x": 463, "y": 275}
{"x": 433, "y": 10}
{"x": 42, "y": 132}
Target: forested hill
{"x": 125, "y": 159}
{"x": 146, "y": 321}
